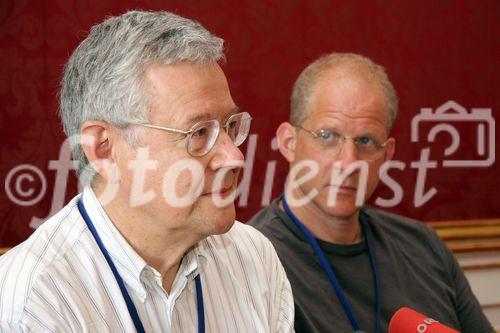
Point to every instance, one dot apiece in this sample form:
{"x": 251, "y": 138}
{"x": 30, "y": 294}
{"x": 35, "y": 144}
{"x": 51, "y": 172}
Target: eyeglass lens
{"x": 204, "y": 134}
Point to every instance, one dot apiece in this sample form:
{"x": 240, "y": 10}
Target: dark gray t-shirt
{"x": 416, "y": 270}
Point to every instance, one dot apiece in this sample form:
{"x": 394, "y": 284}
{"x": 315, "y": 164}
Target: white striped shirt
{"x": 59, "y": 281}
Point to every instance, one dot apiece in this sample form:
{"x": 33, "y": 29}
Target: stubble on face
{"x": 352, "y": 104}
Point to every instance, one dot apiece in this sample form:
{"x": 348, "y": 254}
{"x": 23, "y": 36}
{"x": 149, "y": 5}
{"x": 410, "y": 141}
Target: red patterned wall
{"x": 434, "y": 51}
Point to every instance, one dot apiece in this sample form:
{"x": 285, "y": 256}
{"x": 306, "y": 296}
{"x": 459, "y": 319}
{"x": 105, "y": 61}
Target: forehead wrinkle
{"x": 211, "y": 116}
{"x": 187, "y": 115}
{"x": 356, "y": 81}
{"x": 183, "y": 91}
{"x": 331, "y": 114}
{"x": 352, "y": 116}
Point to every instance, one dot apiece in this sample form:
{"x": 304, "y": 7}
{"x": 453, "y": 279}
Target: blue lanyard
{"x": 331, "y": 275}
{"x": 130, "y": 305}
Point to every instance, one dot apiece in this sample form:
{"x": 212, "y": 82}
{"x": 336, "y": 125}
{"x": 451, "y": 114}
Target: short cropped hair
{"x": 103, "y": 78}
{"x": 304, "y": 86}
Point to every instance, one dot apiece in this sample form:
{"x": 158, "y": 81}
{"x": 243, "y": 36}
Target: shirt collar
{"x": 195, "y": 262}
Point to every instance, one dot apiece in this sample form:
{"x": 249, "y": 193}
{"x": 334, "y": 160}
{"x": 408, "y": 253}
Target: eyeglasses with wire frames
{"x": 203, "y": 135}
{"x": 368, "y": 148}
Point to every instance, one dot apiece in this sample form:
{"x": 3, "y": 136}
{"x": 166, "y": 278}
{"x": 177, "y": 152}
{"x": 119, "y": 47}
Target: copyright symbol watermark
{"x": 21, "y": 185}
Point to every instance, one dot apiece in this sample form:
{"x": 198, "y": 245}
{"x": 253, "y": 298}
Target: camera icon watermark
{"x": 445, "y": 117}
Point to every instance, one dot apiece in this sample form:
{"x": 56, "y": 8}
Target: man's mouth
{"x": 221, "y": 192}
{"x": 343, "y": 189}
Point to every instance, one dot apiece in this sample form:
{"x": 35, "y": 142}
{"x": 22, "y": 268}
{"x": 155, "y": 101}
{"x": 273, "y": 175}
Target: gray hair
{"x": 103, "y": 79}
{"x": 304, "y": 86}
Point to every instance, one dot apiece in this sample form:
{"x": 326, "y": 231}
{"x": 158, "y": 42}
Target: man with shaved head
{"x": 351, "y": 266}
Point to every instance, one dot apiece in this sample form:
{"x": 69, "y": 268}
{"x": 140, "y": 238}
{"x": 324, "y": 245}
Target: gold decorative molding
{"x": 470, "y": 235}
{"x": 488, "y": 265}
{"x": 464, "y": 223}
{"x": 491, "y": 305}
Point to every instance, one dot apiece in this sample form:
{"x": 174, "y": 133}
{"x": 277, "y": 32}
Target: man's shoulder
{"x": 397, "y": 227}
{"x": 388, "y": 219}
{"x": 41, "y": 253}
{"x": 264, "y": 217}
{"x": 269, "y": 222}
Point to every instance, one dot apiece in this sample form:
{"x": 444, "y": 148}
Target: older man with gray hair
{"x": 151, "y": 245}
{"x": 351, "y": 266}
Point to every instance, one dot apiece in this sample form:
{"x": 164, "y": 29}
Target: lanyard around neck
{"x": 130, "y": 305}
{"x": 331, "y": 275}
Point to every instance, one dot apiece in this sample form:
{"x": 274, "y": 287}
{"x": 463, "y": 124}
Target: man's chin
{"x": 343, "y": 209}
{"x": 222, "y": 228}
{"x": 221, "y": 218}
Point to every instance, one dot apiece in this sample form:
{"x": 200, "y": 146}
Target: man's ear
{"x": 287, "y": 139}
{"x": 391, "y": 149}
{"x": 97, "y": 144}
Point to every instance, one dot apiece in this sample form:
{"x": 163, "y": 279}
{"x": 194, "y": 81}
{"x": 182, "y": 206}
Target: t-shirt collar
{"x": 327, "y": 247}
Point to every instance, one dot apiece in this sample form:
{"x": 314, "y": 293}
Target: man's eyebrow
{"x": 233, "y": 111}
{"x": 209, "y": 116}
{"x": 335, "y": 129}
{"x": 329, "y": 129}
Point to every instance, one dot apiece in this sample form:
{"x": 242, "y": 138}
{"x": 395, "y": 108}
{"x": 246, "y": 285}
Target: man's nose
{"x": 226, "y": 154}
{"x": 348, "y": 153}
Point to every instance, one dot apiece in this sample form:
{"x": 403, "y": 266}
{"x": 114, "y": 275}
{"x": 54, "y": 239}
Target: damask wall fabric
{"x": 440, "y": 55}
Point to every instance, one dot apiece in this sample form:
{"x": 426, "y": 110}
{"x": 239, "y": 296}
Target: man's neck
{"x": 330, "y": 228}
{"x": 161, "y": 247}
